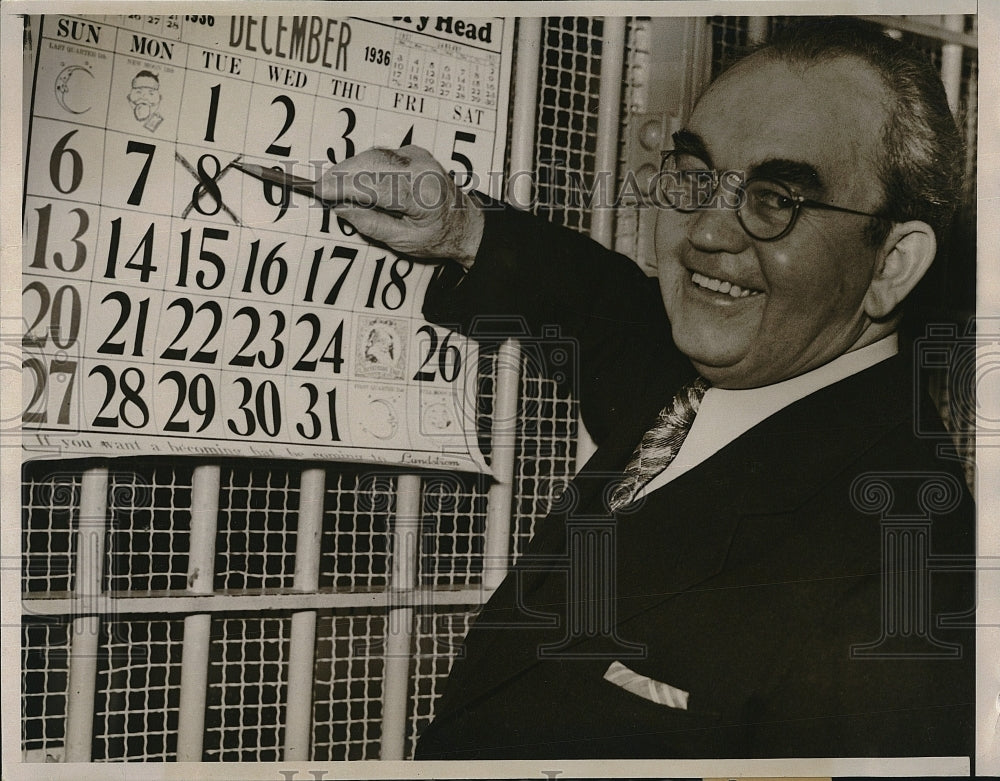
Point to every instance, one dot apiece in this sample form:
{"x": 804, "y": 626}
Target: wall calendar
{"x": 174, "y": 305}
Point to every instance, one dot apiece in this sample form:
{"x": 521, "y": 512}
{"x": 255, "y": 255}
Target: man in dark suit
{"x": 767, "y": 592}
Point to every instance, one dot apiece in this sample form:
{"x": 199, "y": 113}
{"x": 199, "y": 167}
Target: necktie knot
{"x": 661, "y": 443}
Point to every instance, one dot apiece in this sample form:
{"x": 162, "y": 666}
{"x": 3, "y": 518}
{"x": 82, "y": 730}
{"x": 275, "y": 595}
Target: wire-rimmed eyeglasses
{"x": 767, "y": 209}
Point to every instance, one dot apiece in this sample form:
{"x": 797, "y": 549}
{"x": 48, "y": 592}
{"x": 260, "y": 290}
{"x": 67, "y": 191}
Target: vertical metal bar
{"x": 706, "y": 59}
{"x": 86, "y": 626}
{"x": 602, "y": 221}
{"x": 198, "y": 628}
{"x": 399, "y": 629}
{"x": 503, "y": 439}
{"x": 756, "y": 30}
{"x": 951, "y": 62}
{"x": 301, "y": 656}
{"x": 522, "y": 147}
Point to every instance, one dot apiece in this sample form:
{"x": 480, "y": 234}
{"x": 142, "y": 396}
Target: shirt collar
{"x": 785, "y": 392}
{"x": 726, "y": 414}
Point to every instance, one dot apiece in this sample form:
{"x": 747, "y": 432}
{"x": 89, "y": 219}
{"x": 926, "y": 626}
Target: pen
{"x": 297, "y": 183}
{"x": 281, "y": 178}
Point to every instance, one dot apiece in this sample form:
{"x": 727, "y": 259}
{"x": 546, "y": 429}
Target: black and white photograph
{"x": 445, "y": 390}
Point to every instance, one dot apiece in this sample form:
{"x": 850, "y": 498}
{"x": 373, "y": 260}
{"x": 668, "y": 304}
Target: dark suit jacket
{"x": 786, "y": 583}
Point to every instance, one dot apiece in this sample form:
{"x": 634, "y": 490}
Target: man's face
{"x": 805, "y": 306}
{"x": 144, "y": 96}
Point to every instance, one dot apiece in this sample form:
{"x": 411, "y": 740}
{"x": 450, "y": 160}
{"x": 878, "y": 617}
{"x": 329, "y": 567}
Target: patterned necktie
{"x": 660, "y": 444}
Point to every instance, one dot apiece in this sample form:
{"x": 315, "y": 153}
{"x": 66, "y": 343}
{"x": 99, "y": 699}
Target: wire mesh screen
{"x": 566, "y": 134}
{"x": 149, "y": 528}
{"x": 545, "y": 454}
{"x": 147, "y": 549}
{"x": 729, "y": 41}
{"x": 355, "y": 551}
{"x": 258, "y": 512}
{"x": 50, "y": 504}
{"x": 453, "y": 521}
{"x": 437, "y": 641}
{"x": 247, "y": 689}
{"x": 136, "y": 709}
{"x": 44, "y": 682}
{"x": 348, "y": 672}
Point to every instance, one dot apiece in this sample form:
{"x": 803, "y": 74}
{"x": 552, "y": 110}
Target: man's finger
{"x": 363, "y": 177}
{"x": 372, "y": 223}
{"x": 407, "y": 180}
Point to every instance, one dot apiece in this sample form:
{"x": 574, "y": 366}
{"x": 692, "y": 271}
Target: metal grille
{"x": 148, "y": 534}
{"x": 44, "y": 683}
{"x": 138, "y": 690}
{"x": 566, "y": 135}
{"x": 347, "y": 709}
{"x": 147, "y": 551}
{"x": 438, "y": 639}
{"x": 545, "y": 454}
{"x": 50, "y": 503}
{"x": 247, "y": 692}
{"x": 729, "y": 41}
{"x": 258, "y": 510}
{"x": 355, "y": 546}
{"x": 453, "y": 530}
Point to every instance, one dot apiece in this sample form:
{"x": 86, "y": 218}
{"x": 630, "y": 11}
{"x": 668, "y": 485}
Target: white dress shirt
{"x": 726, "y": 414}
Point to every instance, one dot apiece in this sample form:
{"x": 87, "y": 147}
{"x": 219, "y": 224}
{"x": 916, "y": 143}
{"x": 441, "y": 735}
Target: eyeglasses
{"x": 765, "y": 208}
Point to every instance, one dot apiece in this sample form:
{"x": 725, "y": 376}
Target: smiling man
{"x": 746, "y": 592}
{"x": 813, "y": 284}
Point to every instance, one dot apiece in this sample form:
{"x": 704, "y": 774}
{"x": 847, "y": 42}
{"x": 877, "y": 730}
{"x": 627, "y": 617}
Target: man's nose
{"x": 717, "y": 229}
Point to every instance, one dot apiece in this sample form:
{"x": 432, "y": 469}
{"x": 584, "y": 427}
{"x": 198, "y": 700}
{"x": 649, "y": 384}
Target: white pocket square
{"x": 660, "y": 693}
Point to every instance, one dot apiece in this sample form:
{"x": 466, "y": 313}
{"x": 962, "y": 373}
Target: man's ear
{"x": 900, "y": 264}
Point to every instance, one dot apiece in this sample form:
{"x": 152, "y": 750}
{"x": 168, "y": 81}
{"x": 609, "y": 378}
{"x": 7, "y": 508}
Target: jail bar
{"x": 86, "y": 628}
{"x": 602, "y": 221}
{"x": 399, "y": 624}
{"x": 301, "y": 655}
{"x": 756, "y": 29}
{"x": 522, "y": 135}
{"x": 198, "y": 628}
{"x": 951, "y": 62}
{"x": 504, "y": 442}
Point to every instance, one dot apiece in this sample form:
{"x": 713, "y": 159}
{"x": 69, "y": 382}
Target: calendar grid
{"x": 177, "y": 306}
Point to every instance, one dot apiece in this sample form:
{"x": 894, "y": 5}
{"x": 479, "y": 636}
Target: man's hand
{"x": 405, "y": 199}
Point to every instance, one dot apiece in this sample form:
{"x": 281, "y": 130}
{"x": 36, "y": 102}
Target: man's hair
{"x": 148, "y": 75}
{"x": 922, "y": 158}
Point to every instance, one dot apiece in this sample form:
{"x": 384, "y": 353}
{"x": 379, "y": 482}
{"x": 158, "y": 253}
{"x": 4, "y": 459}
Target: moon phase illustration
{"x": 73, "y": 89}
{"x": 381, "y": 421}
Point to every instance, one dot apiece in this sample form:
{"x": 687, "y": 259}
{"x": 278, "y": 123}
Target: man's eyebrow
{"x": 791, "y": 172}
{"x": 691, "y": 143}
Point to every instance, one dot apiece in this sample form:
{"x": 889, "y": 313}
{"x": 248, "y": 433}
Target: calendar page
{"x": 173, "y": 304}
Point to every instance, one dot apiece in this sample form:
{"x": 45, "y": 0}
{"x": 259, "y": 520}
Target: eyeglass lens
{"x": 765, "y": 208}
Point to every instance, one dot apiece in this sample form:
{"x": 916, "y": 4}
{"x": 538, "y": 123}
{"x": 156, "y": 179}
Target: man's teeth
{"x": 721, "y": 286}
